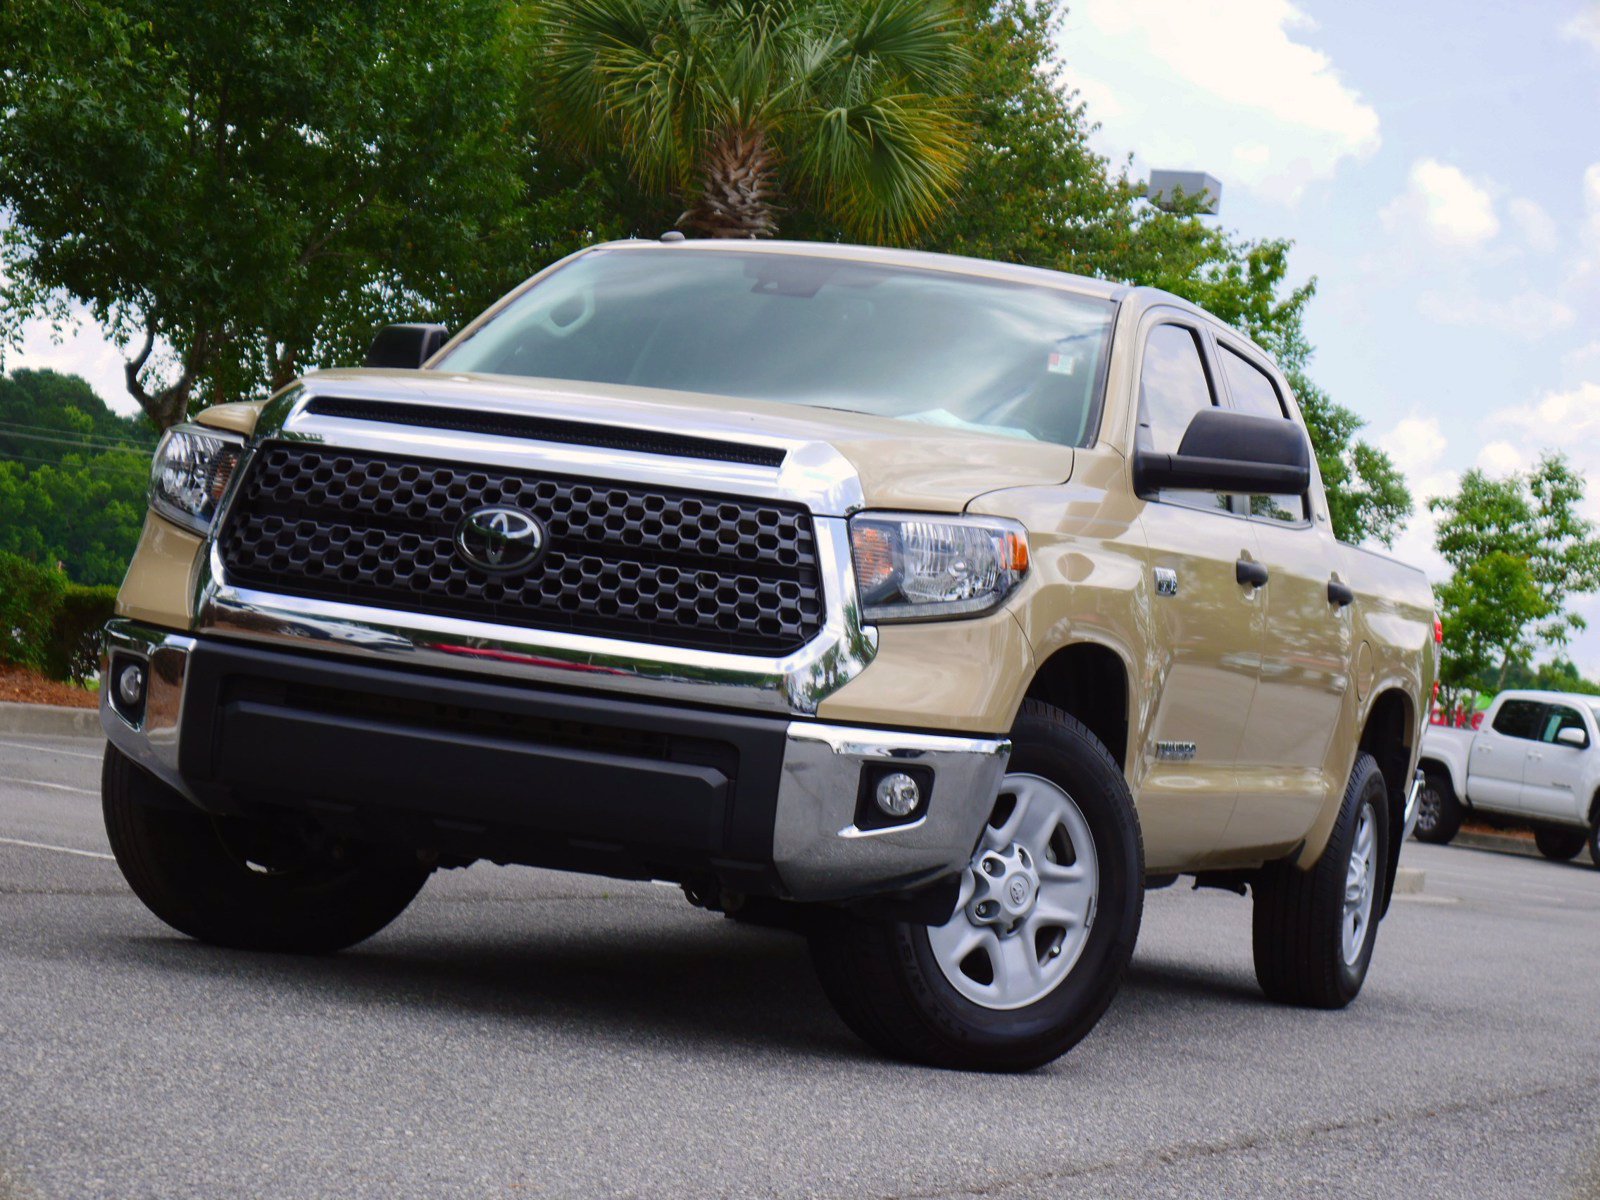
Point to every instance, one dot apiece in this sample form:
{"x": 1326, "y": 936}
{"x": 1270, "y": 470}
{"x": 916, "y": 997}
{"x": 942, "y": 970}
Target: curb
{"x": 1505, "y": 843}
{"x": 1408, "y": 881}
{"x": 49, "y": 720}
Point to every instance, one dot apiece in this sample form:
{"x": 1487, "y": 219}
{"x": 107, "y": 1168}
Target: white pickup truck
{"x": 1535, "y": 762}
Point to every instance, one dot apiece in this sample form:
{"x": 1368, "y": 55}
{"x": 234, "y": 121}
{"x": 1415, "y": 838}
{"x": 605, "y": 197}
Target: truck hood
{"x": 900, "y": 464}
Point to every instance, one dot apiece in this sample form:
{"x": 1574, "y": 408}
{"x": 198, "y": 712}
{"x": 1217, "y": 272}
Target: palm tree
{"x": 847, "y": 106}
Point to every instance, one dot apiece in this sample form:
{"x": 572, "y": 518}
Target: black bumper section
{"x": 477, "y": 769}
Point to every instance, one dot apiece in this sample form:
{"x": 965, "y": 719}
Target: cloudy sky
{"x": 1438, "y": 167}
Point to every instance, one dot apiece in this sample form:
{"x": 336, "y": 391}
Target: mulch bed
{"x": 29, "y": 687}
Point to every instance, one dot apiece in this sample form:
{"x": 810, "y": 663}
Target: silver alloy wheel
{"x": 1027, "y": 899}
{"x": 1360, "y": 883}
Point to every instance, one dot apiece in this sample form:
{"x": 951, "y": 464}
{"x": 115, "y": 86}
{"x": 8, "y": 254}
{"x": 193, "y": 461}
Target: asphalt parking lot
{"x": 523, "y": 1033}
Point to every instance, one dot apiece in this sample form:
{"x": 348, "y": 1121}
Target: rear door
{"x": 1207, "y": 626}
{"x": 1500, "y": 752}
{"x": 1552, "y": 773}
{"x": 1285, "y": 772}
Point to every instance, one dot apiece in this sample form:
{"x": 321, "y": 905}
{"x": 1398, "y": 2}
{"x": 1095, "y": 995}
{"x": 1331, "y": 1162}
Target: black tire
{"x": 1594, "y": 838}
{"x": 1439, "y": 810}
{"x": 1299, "y": 915}
{"x": 192, "y": 870}
{"x": 885, "y": 982}
{"x": 1560, "y": 845}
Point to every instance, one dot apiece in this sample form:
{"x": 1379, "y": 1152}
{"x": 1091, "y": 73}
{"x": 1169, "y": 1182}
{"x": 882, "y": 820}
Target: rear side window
{"x": 1254, "y": 392}
{"x": 1173, "y": 386}
{"x": 1519, "y": 719}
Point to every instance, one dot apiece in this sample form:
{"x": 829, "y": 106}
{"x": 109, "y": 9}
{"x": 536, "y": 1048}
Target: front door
{"x": 1552, "y": 773}
{"x": 1499, "y": 753}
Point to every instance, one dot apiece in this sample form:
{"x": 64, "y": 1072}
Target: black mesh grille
{"x": 625, "y": 560}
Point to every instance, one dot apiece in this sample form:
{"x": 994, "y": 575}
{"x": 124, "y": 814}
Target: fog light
{"x": 898, "y": 795}
{"x": 130, "y": 685}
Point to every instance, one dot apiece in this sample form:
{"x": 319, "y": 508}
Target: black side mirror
{"x": 405, "y": 346}
{"x": 1226, "y": 451}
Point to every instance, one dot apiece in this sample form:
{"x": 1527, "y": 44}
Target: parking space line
{"x": 52, "y": 750}
{"x": 59, "y": 787}
{"x": 5, "y": 841}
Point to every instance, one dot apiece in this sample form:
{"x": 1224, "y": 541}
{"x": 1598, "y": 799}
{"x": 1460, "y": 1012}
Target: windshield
{"x": 919, "y": 345}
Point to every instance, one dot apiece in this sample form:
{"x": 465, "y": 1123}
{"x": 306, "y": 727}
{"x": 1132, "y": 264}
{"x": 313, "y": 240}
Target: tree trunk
{"x": 738, "y": 188}
{"x": 170, "y": 405}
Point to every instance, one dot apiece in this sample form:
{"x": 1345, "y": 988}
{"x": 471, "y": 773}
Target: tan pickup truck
{"x": 937, "y": 607}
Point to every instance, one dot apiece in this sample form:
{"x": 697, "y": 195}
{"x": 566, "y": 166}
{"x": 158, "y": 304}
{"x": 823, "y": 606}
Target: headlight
{"x": 192, "y": 468}
{"x": 916, "y": 568}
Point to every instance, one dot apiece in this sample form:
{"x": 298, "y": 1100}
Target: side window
{"x": 1255, "y": 393}
{"x": 1559, "y": 717}
{"x": 1520, "y": 719}
{"x": 1173, "y": 386}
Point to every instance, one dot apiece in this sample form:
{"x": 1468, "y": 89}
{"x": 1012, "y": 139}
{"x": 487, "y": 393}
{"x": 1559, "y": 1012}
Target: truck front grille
{"x": 623, "y": 560}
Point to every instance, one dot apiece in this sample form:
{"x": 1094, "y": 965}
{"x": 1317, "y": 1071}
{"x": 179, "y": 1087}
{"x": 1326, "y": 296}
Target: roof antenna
{"x": 673, "y": 235}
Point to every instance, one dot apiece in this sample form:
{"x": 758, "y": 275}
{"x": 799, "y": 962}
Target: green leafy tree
{"x": 1557, "y": 675}
{"x": 741, "y": 108}
{"x": 258, "y": 186}
{"x": 45, "y": 415}
{"x": 1532, "y": 519}
{"x": 73, "y": 477}
{"x": 1489, "y": 607}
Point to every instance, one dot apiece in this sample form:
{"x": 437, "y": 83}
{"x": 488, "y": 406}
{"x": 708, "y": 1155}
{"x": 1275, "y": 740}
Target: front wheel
{"x": 1560, "y": 845}
{"x": 246, "y": 884}
{"x": 1314, "y": 930}
{"x": 1046, "y": 922}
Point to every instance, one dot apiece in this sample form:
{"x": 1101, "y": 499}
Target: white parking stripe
{"x": 52, "y": 750}
{"x": 58, "y": 849}
{"x": 59, "y": 787}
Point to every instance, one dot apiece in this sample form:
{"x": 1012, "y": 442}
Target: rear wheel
{"x": 247, "y": 884}
{"x": 1315, "y": 930}
{"x": 1438, "y": 809}
{"x": 1560, "y": 845}
{"x": 1594, "y": 838}
{"x": 1046, "y": 922}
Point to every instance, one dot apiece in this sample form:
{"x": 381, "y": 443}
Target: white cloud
{"x": 1583, "y": 358}
{"x": 1502, "y": 458}
{"x": 1442, "y": 204}
{"x": 1526, "y": 315}
{"x": 1227, "y": 87}
{"x": 1584, "y": 28}
{"x": 1418, "y": 446}
{"x": 1535, "y": 225}
{"x": 1567, "y": 420}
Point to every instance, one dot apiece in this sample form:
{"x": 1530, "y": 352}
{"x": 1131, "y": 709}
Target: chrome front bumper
{"x": 817, "y": 851}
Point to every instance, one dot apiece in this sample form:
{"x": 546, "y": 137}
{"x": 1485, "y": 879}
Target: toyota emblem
{"x": 499, "y": 539}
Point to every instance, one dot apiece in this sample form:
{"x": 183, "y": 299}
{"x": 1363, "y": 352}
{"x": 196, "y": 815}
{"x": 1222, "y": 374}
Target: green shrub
{"x": 74, "y": 650}
{"x": 30, "y": 598}
{"x": 48, "y": 623}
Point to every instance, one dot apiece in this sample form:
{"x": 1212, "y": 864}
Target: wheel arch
{"x": 1389, "y": 736}
{"x": 1089, "y": 681}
